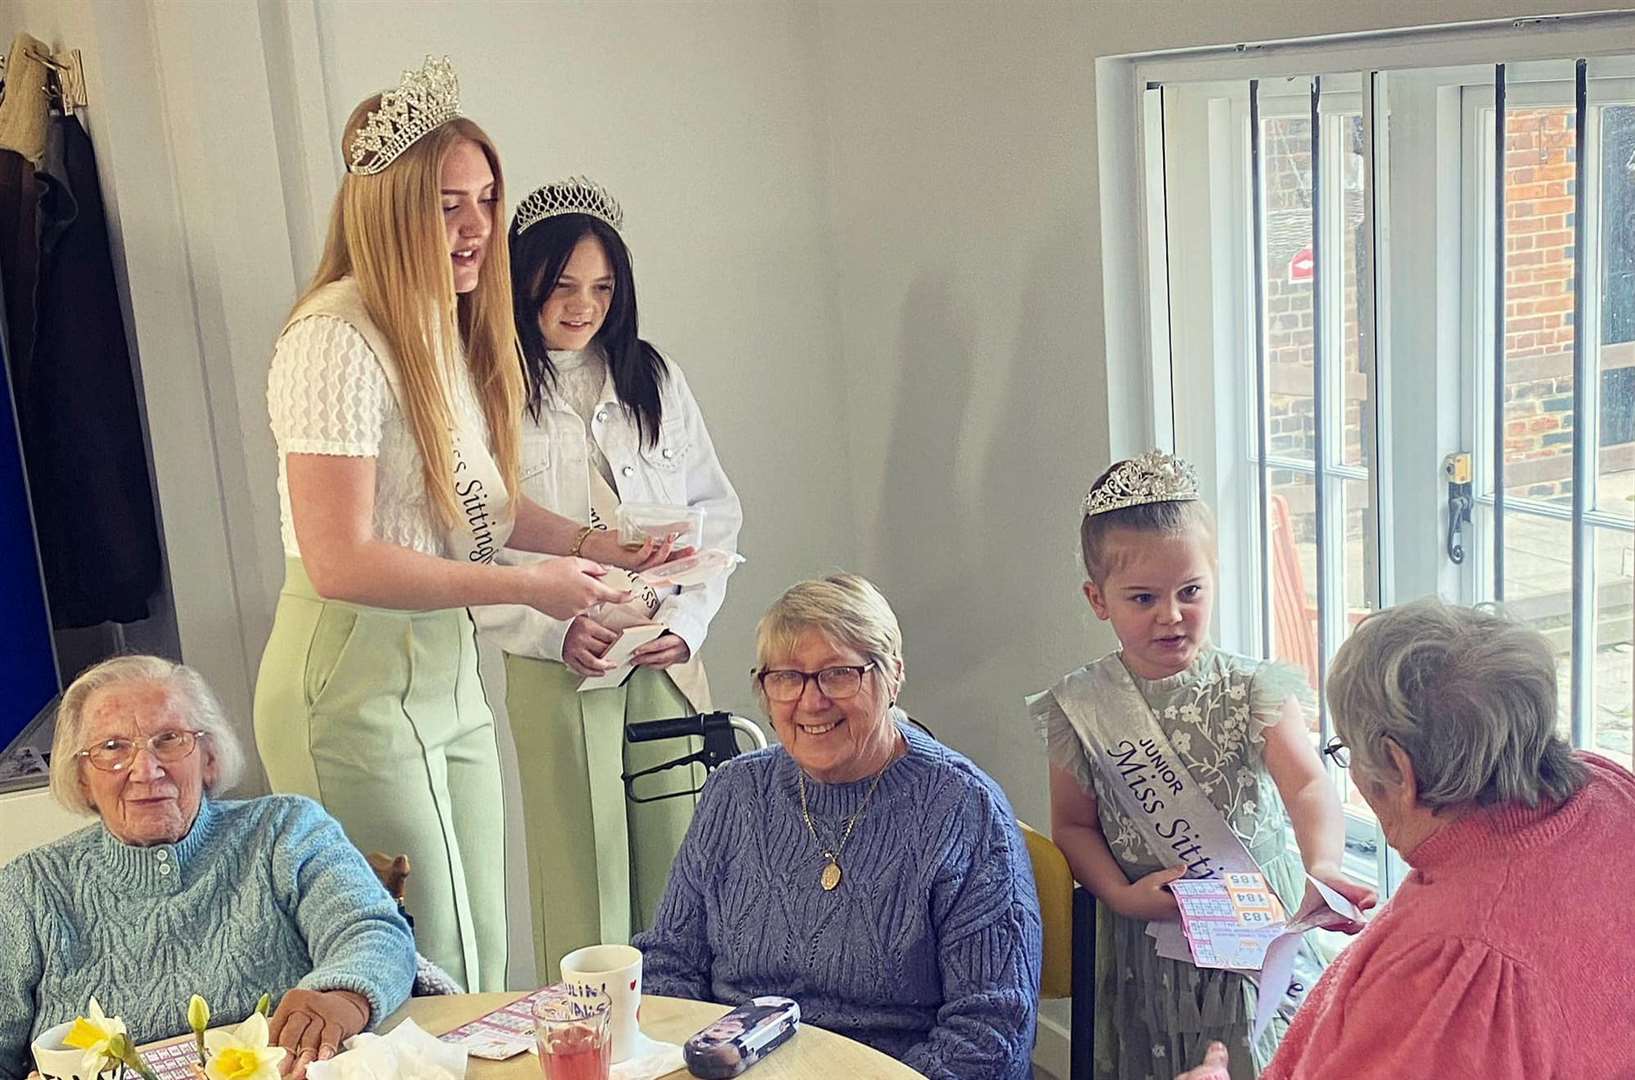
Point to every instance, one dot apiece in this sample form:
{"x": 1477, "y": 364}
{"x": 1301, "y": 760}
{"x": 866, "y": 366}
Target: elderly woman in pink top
{"x": 1507, "y": 952}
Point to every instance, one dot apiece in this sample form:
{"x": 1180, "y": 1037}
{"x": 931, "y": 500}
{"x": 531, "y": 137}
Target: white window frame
{"x": 1151, "y": 345}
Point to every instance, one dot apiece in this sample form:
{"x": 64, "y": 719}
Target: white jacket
{"x": 681, "y": 469}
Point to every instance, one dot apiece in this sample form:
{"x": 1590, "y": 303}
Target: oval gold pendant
{"x": 830, "y": 877}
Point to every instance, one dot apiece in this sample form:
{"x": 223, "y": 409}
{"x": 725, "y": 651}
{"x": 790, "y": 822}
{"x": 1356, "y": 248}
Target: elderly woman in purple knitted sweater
{"x": 862, "y": 868}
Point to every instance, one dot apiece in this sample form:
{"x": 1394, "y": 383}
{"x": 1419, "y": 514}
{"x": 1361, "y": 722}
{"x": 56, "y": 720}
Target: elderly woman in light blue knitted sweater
{"x": 861, "y": 867}
{"x": 174, "y": 892}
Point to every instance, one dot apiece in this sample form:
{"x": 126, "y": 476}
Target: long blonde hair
{"x": 386, "y": 231}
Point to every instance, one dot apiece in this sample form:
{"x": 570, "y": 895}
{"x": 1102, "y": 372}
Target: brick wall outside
{"x": 1539, "y": 168}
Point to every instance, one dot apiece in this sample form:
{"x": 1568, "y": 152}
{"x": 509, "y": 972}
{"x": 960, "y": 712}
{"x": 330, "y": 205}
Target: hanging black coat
{"x": 82, "y": 433}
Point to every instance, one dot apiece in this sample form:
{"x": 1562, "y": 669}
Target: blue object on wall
{"x": 28, "y": 666}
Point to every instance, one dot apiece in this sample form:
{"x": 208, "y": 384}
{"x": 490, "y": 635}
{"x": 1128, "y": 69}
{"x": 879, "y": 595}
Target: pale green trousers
{"x": 597, "y": 863}
{"x": 380, "y": 716}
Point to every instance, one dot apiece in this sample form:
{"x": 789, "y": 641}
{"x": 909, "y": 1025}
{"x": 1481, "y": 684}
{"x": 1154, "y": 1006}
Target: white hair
{"x": 845, "y": 608}
{"x": 1468, "y": 694}
{"x": 203, "y": 711}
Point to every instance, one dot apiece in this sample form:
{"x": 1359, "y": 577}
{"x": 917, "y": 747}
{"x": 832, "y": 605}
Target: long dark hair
{"x": 538, "y": 256}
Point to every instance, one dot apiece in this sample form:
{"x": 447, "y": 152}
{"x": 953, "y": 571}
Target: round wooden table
{"x": 813, "y": 1054}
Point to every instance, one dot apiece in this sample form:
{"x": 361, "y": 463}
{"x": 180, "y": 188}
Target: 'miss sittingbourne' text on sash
{"x": 1144, "y": 769}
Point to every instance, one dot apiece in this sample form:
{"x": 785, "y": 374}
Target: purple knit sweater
{"x": 929, "y": 949}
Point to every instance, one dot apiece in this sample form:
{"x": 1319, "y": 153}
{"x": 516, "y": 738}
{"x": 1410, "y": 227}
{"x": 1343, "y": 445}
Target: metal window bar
{"x": 1258, "y": 274}
{"x": 1169, "y": 316}
{"x": 1319, "y": 401}
{"x": 1583, "y": 575}
{"x": 1369, "y": 319}
{"x": 1499, "y": 161}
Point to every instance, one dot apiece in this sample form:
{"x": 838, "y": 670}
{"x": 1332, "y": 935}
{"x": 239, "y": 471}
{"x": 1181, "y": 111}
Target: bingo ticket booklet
{"x": 1229, "y": 921}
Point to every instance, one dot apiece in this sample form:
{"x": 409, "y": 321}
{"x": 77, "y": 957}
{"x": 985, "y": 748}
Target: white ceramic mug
{"x": 56, "y": 1060}
{"x": 615, "y": 970}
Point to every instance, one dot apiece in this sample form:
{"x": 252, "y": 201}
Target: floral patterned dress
{"x": 1155, "y": 1016}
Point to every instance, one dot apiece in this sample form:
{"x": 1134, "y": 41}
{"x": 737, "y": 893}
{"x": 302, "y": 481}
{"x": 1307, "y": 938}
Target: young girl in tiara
{"x": 1172, "y": 758}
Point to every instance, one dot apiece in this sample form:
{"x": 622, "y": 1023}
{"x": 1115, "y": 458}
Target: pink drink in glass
{"x": 573, "y": 1029}
{"x": 576, "y": 1053}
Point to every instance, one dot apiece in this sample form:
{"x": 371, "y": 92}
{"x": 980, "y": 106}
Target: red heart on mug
{"x": 632, "y": 984}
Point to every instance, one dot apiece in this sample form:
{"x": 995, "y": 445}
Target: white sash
{"x": 1144, "y": 775}
{"x": 1176, "y": 821}
{"x": 485, "y": 513}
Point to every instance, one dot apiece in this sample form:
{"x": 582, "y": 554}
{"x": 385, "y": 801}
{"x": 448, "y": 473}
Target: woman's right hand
{"x": 584, "y": 645}
{"x": 1147, "y": 899}
{"x": 604, "y": 545}
{"x": 564, "y": 587}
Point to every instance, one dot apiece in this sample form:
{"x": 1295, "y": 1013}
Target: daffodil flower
{"x": 242, "y": 1053}
{"x": 93, "y": 1034}
{"x": 120, "y": 1048}
{"x": 198, "y": 1018}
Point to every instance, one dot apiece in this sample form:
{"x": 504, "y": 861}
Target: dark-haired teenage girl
{"x": 608, "y": 420}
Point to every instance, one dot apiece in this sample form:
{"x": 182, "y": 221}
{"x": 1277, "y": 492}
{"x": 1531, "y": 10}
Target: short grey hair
{"x": 845, "y": 608}
{"x": 1467, "y": 693}
{"x": 203, "y": 709}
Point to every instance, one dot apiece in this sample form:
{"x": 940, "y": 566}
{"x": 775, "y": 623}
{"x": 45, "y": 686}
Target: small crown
{"x": 575, "y": 195}
{"x": 1153, "y": 477}
{"x": 424, "y": 101}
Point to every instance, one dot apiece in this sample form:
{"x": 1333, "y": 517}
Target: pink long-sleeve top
{"x": 1507, "y": 954}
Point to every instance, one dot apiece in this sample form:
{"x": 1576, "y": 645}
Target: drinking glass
{"x": 572, "y": 1027}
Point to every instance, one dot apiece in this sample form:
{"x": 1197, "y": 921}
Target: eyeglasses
{"x": 835, "y": 683}
{"x": 116, "y": 755}
{"x": 1339, "y": 751}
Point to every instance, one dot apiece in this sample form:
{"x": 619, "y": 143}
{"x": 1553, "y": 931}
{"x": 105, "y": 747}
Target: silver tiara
{"x": 575, "y": 195}
{"x": 1153, "y": 477}
{"x": 424, "y": 101}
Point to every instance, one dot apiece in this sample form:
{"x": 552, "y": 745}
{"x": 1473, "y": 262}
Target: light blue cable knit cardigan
{"x": 929, "y": 949}
{"x": 259, "y": 896}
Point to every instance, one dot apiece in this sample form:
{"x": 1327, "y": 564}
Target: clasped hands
{"x": 313, "y": 1025}
{"x": 587, "y": 641}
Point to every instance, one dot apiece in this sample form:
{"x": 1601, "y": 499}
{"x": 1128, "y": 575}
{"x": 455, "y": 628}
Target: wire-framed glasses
{"x": 116, "y": 755}
{"x": 1339, "y": 751}
{"x": 835, "y": 683}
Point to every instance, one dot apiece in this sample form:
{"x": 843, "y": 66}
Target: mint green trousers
{"x": 380, "y": 716}
{"x": 597, "y": 863}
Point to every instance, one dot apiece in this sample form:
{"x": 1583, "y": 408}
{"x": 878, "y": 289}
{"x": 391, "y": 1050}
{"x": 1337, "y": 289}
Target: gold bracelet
{"x": 579, "y": 541}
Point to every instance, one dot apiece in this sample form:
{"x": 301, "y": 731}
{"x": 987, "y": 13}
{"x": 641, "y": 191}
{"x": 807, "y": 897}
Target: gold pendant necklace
{"x": 829, "y": 878}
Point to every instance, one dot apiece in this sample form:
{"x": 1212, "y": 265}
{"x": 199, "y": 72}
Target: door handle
{"x": 1456, "y": 467}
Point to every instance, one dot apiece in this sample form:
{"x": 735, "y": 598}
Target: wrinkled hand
{"x": 564, "y": 587}
{"x": 1359, "y": 894}
{"x": 1147, "y": 899}
{"x": 661, "y": 652}
{"x": 312, "y": 1025}
{"x": 1214, "y": 1066}
{"x": 605, "y": 546}
{"x": 585, "y": 644}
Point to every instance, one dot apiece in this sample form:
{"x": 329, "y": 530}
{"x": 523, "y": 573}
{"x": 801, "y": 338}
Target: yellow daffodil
{"x": 242, "y": 1053}
{"x": 93, "y": 1034}
{"x": 198, "y": 1018}
{"x": 120, "y": 1047}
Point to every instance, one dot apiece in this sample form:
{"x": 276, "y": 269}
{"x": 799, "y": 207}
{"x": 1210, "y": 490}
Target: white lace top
{"x": 580, "y": 378}
{"x": 327, "y": 394}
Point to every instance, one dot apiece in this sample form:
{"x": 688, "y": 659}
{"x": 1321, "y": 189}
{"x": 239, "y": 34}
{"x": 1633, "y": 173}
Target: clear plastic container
{"x": 639, "y": 521}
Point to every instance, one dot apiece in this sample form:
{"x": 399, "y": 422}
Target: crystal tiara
{"x": 424, "y": 101}
{"x": 1153, "y": 477}
{"x": 575, "y": 195}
